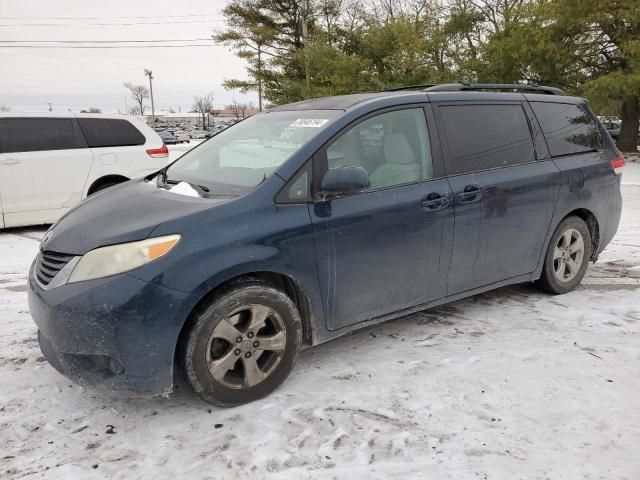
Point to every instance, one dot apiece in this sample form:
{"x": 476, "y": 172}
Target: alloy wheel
{"x": 246, "y": 346}
{"x": 568, "y": 255}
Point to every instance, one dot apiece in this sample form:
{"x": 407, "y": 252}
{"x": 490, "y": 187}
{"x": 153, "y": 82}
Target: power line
{"x": 106, "y": 24}
{"x": 119, "y": 17}
{"x": 108, "y": 41}
{"x": 108, "y": 46}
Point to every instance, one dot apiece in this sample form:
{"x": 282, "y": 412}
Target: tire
{"x": 563, "y": 251}
{"x": 234, "y": 353}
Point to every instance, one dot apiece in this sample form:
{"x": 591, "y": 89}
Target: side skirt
{"x": 424, "y": 306}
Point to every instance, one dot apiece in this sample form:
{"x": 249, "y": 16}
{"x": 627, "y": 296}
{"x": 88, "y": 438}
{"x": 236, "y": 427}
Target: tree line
{"x": 202, "y": 105}
{"x": 298, "y": 49}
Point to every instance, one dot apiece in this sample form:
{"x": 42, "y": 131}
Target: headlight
{"x": 114, "y": 259}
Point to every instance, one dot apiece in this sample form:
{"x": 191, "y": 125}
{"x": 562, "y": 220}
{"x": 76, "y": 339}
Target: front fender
{"x": 240, "y": 262}
{"x": 274, "y": 239}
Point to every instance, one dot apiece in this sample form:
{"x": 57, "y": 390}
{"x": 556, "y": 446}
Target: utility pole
{"x": 304, "y": 13}
{"x": 259, "y": 77}
{"x": 149, "y": 74}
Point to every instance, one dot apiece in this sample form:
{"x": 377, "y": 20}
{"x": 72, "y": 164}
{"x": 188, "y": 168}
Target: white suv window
{"x": 39, "y": 134}
{"x": 108, "y": 132}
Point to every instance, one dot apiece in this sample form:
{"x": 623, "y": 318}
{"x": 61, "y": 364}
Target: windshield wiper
{"x": 164, "y": 181}
{"x": 162, "y": 177}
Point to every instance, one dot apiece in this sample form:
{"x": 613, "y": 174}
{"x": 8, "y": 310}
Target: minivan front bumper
{"x": 117, "y": 333}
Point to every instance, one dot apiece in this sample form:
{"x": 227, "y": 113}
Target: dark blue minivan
{"x": 310, "y": 220}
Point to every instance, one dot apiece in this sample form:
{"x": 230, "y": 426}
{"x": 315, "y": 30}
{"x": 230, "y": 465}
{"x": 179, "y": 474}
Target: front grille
{"x": 49, "y": 264}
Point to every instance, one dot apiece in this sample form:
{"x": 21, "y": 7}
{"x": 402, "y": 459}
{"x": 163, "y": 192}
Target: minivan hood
{"x": 125, "y": 213}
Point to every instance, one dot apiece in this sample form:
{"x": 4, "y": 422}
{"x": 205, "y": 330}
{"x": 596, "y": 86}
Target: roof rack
{"x": 411, "y": 87}
{"x": 457, "y": 87}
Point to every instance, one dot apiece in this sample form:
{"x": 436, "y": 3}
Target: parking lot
{"x": 513, "y": 383}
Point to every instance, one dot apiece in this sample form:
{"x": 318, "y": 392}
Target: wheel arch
{"x": 588, "y": 217}
{"x": 293, "y": 289}
{"x": 105, "y": 179}
{"x": 593, "y": 225}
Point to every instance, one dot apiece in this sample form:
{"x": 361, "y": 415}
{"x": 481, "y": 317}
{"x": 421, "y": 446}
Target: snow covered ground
{"x": 511, "y": 384}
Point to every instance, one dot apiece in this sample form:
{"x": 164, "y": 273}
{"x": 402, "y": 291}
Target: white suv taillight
{"x": 158, "y": 152}
{"x": 618, "y": 164}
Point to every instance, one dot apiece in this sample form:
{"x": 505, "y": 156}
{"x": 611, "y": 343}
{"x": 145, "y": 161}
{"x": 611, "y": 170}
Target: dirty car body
{"x": 432, "y": 225}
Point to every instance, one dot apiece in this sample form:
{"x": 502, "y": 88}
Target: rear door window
{"x": 568, "y": 128}
{"x": 39, "y": 134}
{"x": 481, "y": 137}
{"x": 108, "y": 132}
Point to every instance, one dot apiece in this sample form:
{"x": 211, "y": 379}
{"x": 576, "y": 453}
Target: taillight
{"x": 617, "y": 164}
{"x": 158, "y": 152}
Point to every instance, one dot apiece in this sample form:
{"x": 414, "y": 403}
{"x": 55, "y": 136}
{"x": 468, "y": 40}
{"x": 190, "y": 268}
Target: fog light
{"x": 114, "y": 366}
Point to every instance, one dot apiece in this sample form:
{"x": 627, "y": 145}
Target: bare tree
{"x": 134, "y": 110}
{"x": 212, "y": 116}
{"x": 139, "y": 93}
{"x": 5, "y": 108}
{"x": 331, "y": 11}
{"x": 235, "y": 107}
{"x": 501, "y": 14}
{"x": 203, "y": 105}
{"x": 241, "y": 108}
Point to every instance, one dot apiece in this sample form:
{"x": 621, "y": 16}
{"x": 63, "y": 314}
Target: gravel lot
{"x": 509, "y": 384}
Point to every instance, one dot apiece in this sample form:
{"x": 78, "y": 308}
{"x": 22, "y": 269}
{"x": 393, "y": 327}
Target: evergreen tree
{"x": 297, "y": 49}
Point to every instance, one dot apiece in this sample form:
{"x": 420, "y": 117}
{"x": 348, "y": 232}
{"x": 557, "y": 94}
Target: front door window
{"x": 393, "y": 148}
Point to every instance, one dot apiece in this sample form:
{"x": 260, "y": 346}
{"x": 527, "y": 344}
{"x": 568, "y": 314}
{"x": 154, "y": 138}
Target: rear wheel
{"x": 242, "y": 345}
{"x": 567, "y": 257}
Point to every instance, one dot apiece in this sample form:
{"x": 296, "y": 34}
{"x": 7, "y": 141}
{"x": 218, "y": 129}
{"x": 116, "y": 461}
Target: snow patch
{"x": 183, "y": 188}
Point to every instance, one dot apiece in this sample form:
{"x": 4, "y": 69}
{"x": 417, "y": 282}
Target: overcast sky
{"x": 79, "y": 78}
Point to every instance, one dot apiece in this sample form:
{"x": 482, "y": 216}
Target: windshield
{"x": 238, "y": 159}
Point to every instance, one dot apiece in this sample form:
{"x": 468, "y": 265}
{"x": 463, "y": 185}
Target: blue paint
{"x": 358, "y": 259}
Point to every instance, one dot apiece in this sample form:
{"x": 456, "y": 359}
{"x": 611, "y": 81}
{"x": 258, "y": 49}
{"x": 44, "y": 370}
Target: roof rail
{"x": 528, "y": 87}
{"x": 411, "y": 87}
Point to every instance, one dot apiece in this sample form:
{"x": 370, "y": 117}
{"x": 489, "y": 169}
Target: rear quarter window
{"x": 481, "y": 137}
{"x": 107, "y": 132}
{"x": 39, "y": 134}
{"x": 567, "y": 128}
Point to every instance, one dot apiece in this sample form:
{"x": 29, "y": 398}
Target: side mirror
{"x": 345, "y": 181}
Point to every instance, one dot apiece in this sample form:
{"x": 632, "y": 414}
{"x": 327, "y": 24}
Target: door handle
{"x": 10, "y": 161}
{"x": 470, "y": 194}
{"x": 435, "y": 201}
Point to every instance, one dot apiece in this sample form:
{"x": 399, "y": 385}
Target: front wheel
{"x": 567, "y": 257}
{"x": 242, "y": 345}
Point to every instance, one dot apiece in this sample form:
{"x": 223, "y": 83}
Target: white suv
{"x": 49, "y": 162}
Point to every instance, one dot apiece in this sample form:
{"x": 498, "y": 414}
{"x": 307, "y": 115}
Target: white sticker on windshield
{"x": 309, "y": 122}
